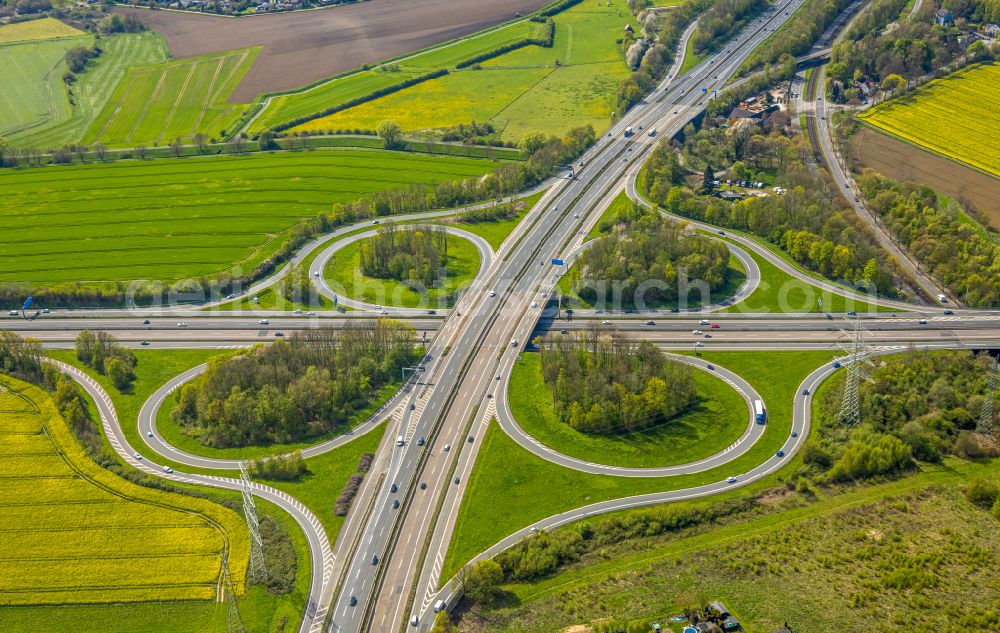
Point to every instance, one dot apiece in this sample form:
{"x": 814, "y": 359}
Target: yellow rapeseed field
{"x": 44, "y": 29}
{"x": 957, "y": 116}
{"x": 74, "y": 533}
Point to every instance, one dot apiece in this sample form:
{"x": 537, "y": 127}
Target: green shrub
{"x": 983, "y": 493}
{"x": 868, "y": 455}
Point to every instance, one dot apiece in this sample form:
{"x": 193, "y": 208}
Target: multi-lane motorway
{"x": 384, "y": 572}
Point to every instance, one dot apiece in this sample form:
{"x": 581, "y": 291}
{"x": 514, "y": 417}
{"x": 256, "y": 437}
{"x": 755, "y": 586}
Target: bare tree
{"x": 201, "y": 141}
{"x": 141, "y": 151}
{"x": 31, "y": 156}
{"x": 238, "y": 144}
{"x": 81, "y": 152}
{"x": 175, "y": 147}
{"x": 101, "y": 151}
{"x": 5, "y": 150}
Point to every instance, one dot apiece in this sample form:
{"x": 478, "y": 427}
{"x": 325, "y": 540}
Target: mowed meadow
{"x": 74, "y": 533}
{"x": 31, "y": 85}
{"x": 956, "y": 116}
{"x": 93, "y": 88}
{"x": 158, "y": 103}
{"x": 37, "y": 109}
{"x": 573, "y": 83}
{"x": 170, "y": 219}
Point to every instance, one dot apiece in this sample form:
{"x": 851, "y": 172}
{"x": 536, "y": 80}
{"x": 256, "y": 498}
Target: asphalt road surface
{"x": 388, "y": 558}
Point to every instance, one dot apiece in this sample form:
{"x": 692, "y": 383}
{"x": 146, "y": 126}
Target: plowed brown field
{"x": 902, "y": 161}
{"x": 301, "y": 47}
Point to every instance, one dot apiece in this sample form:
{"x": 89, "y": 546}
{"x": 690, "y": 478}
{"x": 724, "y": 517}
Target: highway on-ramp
{"x": 322, "y": 560}
{"x": 391, "y": 542}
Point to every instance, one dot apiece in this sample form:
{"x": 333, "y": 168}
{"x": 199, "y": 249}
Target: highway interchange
{"x": 383, "y": 572}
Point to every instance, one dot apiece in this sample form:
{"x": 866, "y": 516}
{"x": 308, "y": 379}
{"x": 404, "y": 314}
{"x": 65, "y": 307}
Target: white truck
{"x": 759, "y": 413}
{"x": 628, "y": 132}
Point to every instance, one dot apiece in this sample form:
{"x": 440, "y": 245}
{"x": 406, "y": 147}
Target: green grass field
{"x": 172, "y": 219}
{"x": 780, "y": 292}
{"x": 511, "y": 488}
{"x": 157, "y": 103}
{"x": 848, "y": 560}
{"x": 339, "y": 90}
{"x": 955, "y": 116}
{"x": 343, "y": 271}
{"x": 495, "y": 232}
{"x": 44, "y": 29}
{"x": 717, "y": 421}
{"x": 319, "y": 488}
{"x": 94, "y": 87}
{"x": 691, "y": 59}
{"x": 533, "y": 88}
{"x": 32, "y": 92}
{"x": 131, "y": 544}
{"x": 154, "y": 369}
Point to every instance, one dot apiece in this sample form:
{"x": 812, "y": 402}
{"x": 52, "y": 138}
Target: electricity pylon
{"x": 986, "y": 416}
{"x": 258, "y": 571}
{"x": 235, "y": 622}
{"x": 857, "y": 363}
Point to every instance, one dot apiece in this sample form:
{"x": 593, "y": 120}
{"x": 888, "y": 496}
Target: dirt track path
{"x": 301, "y": 47}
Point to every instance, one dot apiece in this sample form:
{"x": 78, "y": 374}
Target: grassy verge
{"x": 343, "y": 271}
{"x": 780, "y": 292}
{"x": 155, "y": 368}
{"x": 717, "y": 421}
{"x": 319, "y": 487}
{"x": 690, "y": 58}
{"x": 792, "y": 553}
{"x": 496, "y": 232}
{"x": 511, "y": 488}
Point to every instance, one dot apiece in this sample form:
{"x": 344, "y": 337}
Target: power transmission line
{"x": 986, "y": 416}
{"x": 235, "y": 622}
{"x": 258, "y": 571}
{"x": 857, "y": 363}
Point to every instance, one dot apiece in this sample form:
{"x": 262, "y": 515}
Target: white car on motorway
{"x": 182, "y": 324}
{"x": 730, "y": 480}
